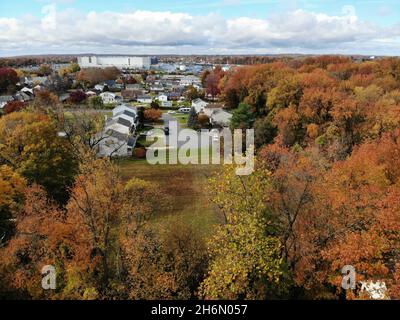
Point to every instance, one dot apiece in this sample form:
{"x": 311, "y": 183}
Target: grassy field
{"x": 186, "y": 187}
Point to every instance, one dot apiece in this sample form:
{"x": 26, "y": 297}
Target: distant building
{"x": 121, "y": 62}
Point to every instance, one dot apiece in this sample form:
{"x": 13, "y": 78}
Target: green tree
{"x": 193, "y": 121}
{"x": 245, "y": 255}
{"x": 265, "y": 132}
{"x": 95, "y": 102}
{"x": 243, "y": 117}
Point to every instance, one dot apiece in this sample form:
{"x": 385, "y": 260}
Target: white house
{"x": 123, "y": 107}
{"x": 120, "y": 125}
{"x": 108, "y": 97}
{"x": 145, "y": 99}
{"x": 116, "y": 144}
{"x": 199, "y": 105}
{"x": 99, "y": 87}
{"x": 162, "y": 97}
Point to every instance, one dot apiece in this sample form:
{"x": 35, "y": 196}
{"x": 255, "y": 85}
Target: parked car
{"x": 184, "y": 110}
{"x": 166, "y": 131}
{"x": 149, "y": 133}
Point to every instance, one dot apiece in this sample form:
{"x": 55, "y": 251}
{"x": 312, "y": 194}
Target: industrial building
{"x": 121, "y": 62}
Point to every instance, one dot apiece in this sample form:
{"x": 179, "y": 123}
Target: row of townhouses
{"x": 119, "y": 134}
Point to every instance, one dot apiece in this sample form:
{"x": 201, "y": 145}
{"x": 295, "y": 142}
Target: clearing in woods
{"x": 185, "y": 184}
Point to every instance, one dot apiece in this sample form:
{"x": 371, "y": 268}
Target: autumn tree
{"x": 82, "y": 129}
{"x": 152, "y": 115}
{"x": 245, "y": 255}
{"x": 77, "y": 97}
{"x": 30, "y": 144}
{"x": 14, "y": 106}
{"x": 192, "y": 93}
{"x": 212, "y": 81}
{"x": 93, "y": 76}
{"x": 45, "y": 99}
{"x": 8, "y": 80}
{"x": 12, "y": 187}
{"x": 166, "y": 266}
{"x": 37, "y": 242}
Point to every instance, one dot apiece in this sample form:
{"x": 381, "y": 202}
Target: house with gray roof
{"x": 119, "y": 133}
{"x": 4, "y": 100}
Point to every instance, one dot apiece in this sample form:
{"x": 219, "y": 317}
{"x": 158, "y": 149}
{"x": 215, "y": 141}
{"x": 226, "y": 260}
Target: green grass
{"x": 185, "y": 185}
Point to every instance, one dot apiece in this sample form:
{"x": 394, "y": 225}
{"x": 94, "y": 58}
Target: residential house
{"x": 166, "y": 104}
{"x": 119, "y": 133}
{"x": 175, "y": 96}
{"x": 115, "y": 144}
{"x": 122, "y": 107}
{"x": 27, "y": 90}
{"x": 4, "y": 100}
{"x": 110, "y": 98}
{"x": 99, "y": 87}
{"x": 113, "y": 86}
{"x": 131, "y": 95}
{"x": 145, "y": 99}
{"x": 189, "y": 81}
{"x": 162, "y": 97}
{"x": 24, "y": 96}
{"x": 156, "y": 88}
{"x": 199, "y": 105}
{"x": 90, "y": 93}
{"x": 136, "y": 86}
{"x": 220, "y": 117}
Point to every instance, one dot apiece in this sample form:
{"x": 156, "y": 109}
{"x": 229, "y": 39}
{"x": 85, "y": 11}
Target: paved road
{"x": 169, "y": 118}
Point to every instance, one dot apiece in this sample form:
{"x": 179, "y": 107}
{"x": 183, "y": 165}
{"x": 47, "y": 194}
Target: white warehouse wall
{"x": 122, "y": 62}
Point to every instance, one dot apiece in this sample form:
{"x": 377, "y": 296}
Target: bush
{"x": 95, "y": 102}
{"x": 140, "y": 153}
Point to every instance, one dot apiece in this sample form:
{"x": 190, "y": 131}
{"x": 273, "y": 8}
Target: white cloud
{"x": 167, "y": 32}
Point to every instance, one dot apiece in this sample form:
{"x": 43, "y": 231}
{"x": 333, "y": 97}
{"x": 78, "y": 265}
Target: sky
{"x": 370, "y": 27}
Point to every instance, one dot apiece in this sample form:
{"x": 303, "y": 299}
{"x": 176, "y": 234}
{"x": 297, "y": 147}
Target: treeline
{"x": 26, "y": 61}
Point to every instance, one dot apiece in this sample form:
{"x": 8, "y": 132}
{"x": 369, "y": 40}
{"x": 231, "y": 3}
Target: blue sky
{"x": 379, "y": 11}
{"x": 335, "y": 26}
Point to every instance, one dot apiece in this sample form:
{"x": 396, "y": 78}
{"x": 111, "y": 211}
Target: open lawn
{"x": 186, "y": 187}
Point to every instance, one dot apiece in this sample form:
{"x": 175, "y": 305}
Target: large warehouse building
{"x": 121, "y": 62}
